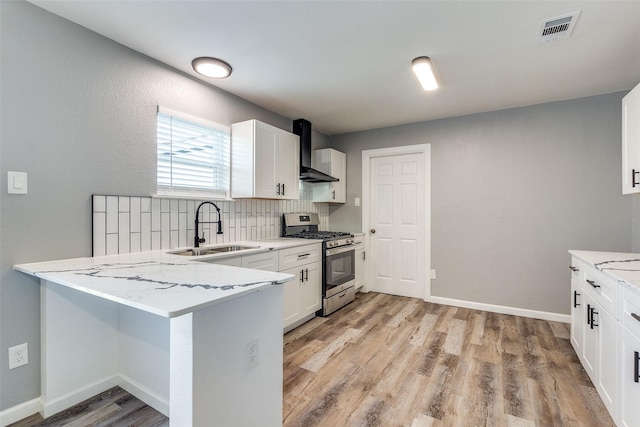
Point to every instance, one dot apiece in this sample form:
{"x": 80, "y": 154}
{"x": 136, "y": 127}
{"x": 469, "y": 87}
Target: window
{"x": 193, "y": 156}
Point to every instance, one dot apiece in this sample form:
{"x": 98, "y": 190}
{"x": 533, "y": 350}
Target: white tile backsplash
{"x": 124, "y": 224}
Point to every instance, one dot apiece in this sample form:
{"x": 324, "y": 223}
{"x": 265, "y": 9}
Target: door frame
{"x": 367, "y": 156}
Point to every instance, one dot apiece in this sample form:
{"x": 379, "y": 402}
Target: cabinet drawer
{"x": 300, "y": 255}
{"x": 630, "y": 308}
{"x": 267, "y": 261}
{"x": 602, "y": 289}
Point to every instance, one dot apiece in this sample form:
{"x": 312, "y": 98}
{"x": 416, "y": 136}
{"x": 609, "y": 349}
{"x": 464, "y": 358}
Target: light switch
{"x": 356, "y": 201}
{"x": 17, "y": 182}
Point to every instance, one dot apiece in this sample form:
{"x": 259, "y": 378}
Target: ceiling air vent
{"x": 558, "y": 28}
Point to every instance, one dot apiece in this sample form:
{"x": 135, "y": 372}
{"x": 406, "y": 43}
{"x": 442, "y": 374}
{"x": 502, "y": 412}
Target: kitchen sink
{"x": 212, "y": 250}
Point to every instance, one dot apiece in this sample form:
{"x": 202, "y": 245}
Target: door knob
{"x": 373, "y": 231}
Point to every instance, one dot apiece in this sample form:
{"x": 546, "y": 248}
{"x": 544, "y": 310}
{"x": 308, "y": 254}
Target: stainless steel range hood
{"x": 302, "y": 128}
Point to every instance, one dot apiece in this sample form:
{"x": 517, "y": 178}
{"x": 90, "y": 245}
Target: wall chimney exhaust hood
{"x": 302, "y": 128}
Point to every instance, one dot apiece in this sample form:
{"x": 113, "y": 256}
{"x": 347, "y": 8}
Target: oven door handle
{"x": 342, "y": 249}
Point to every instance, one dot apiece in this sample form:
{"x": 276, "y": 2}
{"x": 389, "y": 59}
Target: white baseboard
{"x": 20, "y": 412}
{"x": 542, "y": 315}
{"x": 51, "y": 407}
{"x": 143, "y": 393}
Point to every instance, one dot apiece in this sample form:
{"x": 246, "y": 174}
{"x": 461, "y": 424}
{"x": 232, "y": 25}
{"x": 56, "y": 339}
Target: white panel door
{"x": 397, "y": 224}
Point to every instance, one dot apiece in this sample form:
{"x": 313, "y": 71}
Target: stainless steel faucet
{"x": 197, "y": 240}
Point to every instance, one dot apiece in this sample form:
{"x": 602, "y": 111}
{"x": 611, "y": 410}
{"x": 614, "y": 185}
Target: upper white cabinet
{"x": 265, "y": 161}
{"x": 334, "y": 163}
{"x": 631, "y": 142}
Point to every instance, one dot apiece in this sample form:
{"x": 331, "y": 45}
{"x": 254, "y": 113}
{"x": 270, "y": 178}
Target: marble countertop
{"x": 162, "y": 283}
{"x": 617, "y": 265}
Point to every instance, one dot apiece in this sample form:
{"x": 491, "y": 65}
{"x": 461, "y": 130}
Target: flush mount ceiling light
{"x": 211, "y": 67}
{"x": 425, "y": 73}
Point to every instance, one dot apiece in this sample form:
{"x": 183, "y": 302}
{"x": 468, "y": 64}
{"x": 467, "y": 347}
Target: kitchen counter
{"x": 619, "y": 266}
{"x": 172, "y": 330}
{"x": 160, "y": 282}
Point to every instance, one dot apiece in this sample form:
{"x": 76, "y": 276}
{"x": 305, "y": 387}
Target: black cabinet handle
{"x": 575, "y": 299}
{"x": 593, "y": 323}
{"x": 278, "y": 189}
{"x": 574, "y": 269}
{"x": 634, "y": 173}
{"x": 306, "y": 274}
{"x": 593, "y": 283}
{"x": 635, "y": 316}
{"x": 636, "y": 373}
{"x": 589, "y": 315}
{"x": 283, "y": 189}
{"x": 301, "y": 275}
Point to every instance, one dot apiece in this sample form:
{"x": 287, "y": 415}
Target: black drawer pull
{"x": 635, "y": 316}
{"x": 304, "y": 255}
{"x": 633, "y": 178}
{"x": 636, "y": 359}
{"x": 589, "y": 315}
{"x": 574, "y": 269}
{"x": 575, "y": 299}
{"x": 593, "y": 283}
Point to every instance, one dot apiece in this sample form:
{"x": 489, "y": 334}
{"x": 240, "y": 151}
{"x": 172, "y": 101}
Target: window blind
{"x": 193, "y": 156}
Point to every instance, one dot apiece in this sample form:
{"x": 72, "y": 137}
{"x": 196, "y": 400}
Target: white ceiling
{"x": 345, "y": 65}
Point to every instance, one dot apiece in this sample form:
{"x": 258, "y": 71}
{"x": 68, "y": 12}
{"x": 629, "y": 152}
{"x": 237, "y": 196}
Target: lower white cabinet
{"x": 359, "y": 262}
{"x": 302, "y": 295}
{"x": 629, "y": 374}
{"x": 594, "y": 329}
{"x": 578, "y": 313}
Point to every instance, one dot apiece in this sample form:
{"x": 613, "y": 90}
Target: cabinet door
{"x": 266, "y": 141}
{"x": 287, "y": 169}
{"x": 590, "y": 347}
{"x": 606, "y": 371}
{"x": 334, "y": 163}
{"x": 629, "y": 371}
{"x": 359, "y": 268}
{"x": 310, "y": 289}
{"x": 292, "y": 297}
{"x": 631, "y": 141}
{"x": 578, "y": 318}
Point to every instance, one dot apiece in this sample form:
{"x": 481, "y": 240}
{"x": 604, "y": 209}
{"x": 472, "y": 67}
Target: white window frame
{"x": 184, "y": 191}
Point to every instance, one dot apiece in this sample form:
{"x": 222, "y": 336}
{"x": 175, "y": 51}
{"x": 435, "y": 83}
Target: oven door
{"x": 339, "y": 269}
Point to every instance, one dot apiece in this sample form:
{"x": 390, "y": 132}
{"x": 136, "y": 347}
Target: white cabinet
{"x": 631, "y": 142}
{"x": 578, "y": 313}
{"x": 265, "y": 161}
{"x": 302, "y": 295}
{"x": 629, "y": 374}
{"x": 334, "y": 163}
{"x": 359, "y": 262}
{"x": 594, "y": 329}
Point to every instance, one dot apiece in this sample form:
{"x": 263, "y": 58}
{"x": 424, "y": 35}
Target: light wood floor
{"x": 393, "y": 361}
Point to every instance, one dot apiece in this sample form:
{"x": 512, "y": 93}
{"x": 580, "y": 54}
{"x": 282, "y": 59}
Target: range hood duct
{"x": 302, "y": 128}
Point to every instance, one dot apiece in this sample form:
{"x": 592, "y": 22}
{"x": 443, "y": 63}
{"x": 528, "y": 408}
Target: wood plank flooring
{"x": 394, "y": 361}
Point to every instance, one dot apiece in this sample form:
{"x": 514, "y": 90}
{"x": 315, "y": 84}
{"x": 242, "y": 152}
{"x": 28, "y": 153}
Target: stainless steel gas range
{"x": 338, "y": 259}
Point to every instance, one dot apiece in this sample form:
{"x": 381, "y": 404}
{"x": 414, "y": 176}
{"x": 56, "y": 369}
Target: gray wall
{"x": 512, "y": 191}
{"x": 78, "y": 115}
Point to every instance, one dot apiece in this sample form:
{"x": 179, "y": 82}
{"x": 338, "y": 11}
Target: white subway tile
{"x": 123, "y": 204}
{"x": 112, "y": 244}
{"x": 135, "y": 214}
{"x": 124, "y": 238}
{"x": 99, "y": 203}
{"x": 135, "y": 242}
{"x": 145, "y": 204}
{"x": 99, "y": 233}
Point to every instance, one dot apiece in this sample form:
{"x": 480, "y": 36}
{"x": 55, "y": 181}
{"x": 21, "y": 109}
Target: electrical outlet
{"x": 433, "y": 274}
{"x": 250, "y": 354}
{"x": 18, "y": 355}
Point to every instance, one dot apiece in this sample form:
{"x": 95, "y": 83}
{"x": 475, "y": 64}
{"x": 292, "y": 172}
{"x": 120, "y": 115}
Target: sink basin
{"x": 212, "y": 250}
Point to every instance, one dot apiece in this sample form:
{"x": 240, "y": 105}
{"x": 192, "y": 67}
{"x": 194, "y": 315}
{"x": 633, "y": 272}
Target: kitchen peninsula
{"x": 199, "y": 342}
